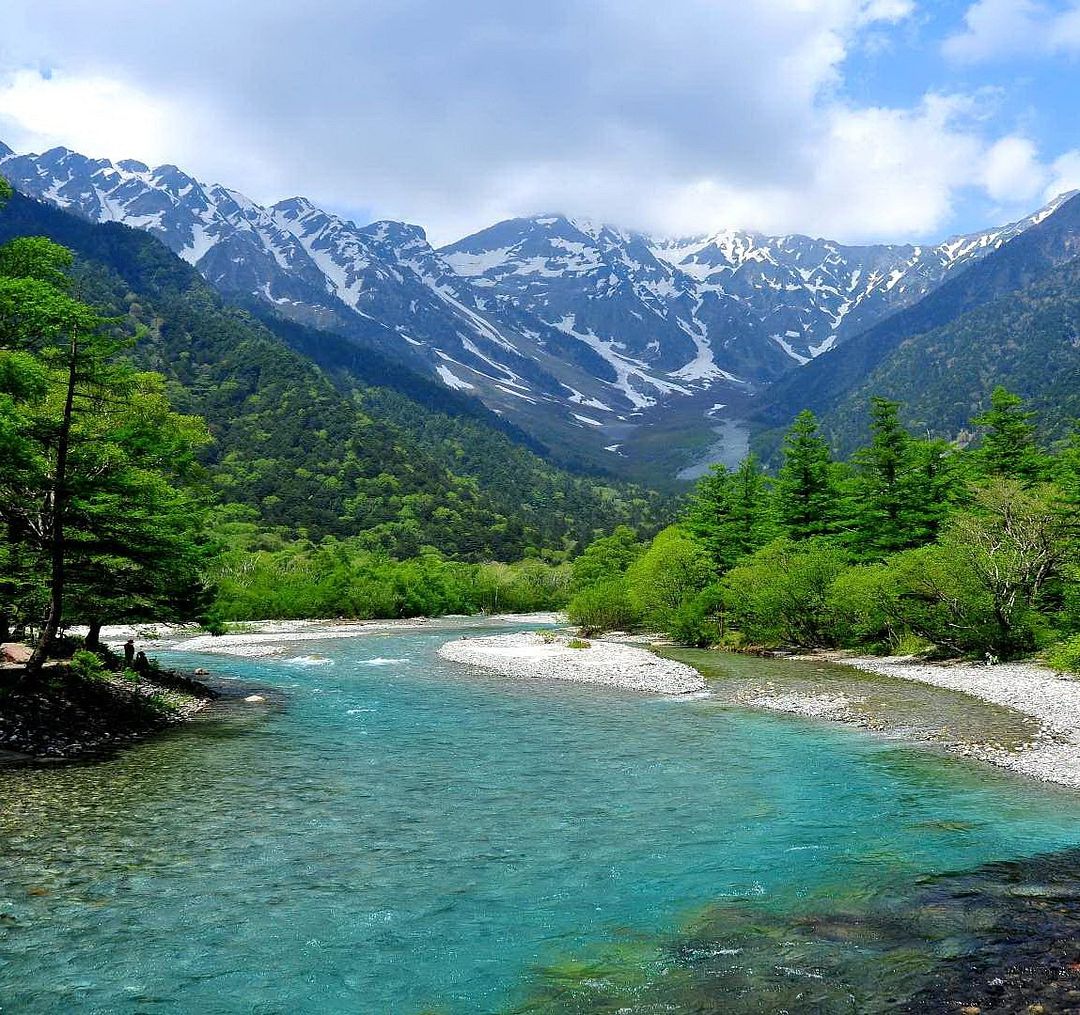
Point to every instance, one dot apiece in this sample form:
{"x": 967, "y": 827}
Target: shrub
{"x": 699, "y": 622}
{"x": 864, "y": 603}
{"x": 672, "y": 571}
{"x": 578, "y": 643}
{"x": 782, "y": 594}
{"x": 603, "y": 607}
{"x": 87, "y": 666}
{"x": 1065, "y": 656}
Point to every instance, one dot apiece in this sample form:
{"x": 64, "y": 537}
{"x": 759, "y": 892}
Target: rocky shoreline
{"x": 65, "y": 717}
{"x": 551, "y": 656}
{"x": 1031, "y": 691}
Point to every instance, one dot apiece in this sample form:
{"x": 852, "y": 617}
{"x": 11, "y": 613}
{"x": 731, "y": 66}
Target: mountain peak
{"x": 5, "y": 151}
{"x": 390, "y": 231}
{"x": 296, "y": 207}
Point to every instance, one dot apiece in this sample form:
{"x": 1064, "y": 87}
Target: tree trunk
{"x": 93, "y": 636}
{"x": 55, "y": 610}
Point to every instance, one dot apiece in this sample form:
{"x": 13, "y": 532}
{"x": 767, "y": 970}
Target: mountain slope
{"x": 601, "y": 344}
{"x": 321, "y": 454}
{"x": 1027, "y": 340}
{"x": 845, "y": 376}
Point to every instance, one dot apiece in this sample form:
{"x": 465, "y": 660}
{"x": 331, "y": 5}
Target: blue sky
{"x": 855, "y": 119}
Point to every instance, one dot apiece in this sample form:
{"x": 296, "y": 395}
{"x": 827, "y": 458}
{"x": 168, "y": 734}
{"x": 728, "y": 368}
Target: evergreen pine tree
{"x": 807, "y": 497}
{"x": 1008, "y": 447}
{"x": 903, "y": 487}
{"x": 730, "y": 512}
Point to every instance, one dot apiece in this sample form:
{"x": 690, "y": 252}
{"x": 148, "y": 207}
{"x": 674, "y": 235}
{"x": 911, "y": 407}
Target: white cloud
{"x": 1012, "y": 172}
{"x": 706, "y": 114}
{"x": 91, "y": 112}
{"x": 1064, "y": 174}
{"x": 995, "y": 29}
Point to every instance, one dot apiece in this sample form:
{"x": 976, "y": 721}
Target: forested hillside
{"x": 402, "y": 466}
{"x": 835, "y": 385}
{"x": 1029, "y": 340}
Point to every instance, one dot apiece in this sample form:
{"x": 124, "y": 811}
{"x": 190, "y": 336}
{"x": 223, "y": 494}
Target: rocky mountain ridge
{"x": 562, "y": 325}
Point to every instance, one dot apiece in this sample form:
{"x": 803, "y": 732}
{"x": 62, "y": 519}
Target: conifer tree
{"x": 97, "y": 507}
{"x": 903, "y": 485}
{"x": 807, "y": 496}
{"x": 1008, "y": 447}
{"x": 730, "y": 512}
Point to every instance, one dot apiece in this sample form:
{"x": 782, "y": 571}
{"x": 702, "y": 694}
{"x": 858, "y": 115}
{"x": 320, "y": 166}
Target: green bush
{"x": 673, "y": 570}
{"x": 603, "y": 607}
{"x": 782, "y": 595}
{"x": 87, "y": 666}
{"x": 699, "y": 622}
{"x": 864, "y": 603}
{"x": 1065, "y": 656}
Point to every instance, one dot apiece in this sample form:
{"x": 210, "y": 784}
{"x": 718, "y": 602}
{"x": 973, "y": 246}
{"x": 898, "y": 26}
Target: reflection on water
{"x": 413, "y": 836}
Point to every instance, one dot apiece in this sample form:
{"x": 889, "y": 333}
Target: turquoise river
{"x": 389, "y": 833}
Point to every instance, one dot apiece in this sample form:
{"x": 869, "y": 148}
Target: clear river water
{"x": 389, "y": 833}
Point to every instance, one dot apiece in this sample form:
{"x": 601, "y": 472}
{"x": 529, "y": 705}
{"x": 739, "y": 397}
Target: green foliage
{"x": 100, "y": 499}
{"x": 781, "y": 595}
{"x": 605, "y": 606}
{"x": 578, "y": 643}
{"x": 700, "y": 621}
{"x": 1065, "y": 655}
{"x": 920, "y": 544}
{"x": 730, "y": 513}
{"x": 606, "y": 558}
{"x": 993, "y": 581}
{"x": 87, "y": 666}
{"x": 674, "y": 568}
{"x": 902, "y": 486}
{"x": 342, "y": 578}
{"x": 807, "y": 493}
{"x": 1008, "y": 446}
{"x": 863, "y": 603}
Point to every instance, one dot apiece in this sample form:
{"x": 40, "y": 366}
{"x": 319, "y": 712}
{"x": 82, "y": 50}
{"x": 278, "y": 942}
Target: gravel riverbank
{"x": 1036, "y": 691}
{"x": 529, "y": 656}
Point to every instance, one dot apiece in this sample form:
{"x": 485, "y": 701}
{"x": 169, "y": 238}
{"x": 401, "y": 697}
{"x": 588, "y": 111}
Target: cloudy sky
{"x": 853, "y": 119}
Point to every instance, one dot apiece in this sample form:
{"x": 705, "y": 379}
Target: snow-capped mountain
{"x": 750, "y": 298}
{"x": 549, "y": 320}
{"x": 382, "y": 282}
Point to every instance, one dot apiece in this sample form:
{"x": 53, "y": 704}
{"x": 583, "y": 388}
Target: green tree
{"x": 673, "y": 569}
{"x": 730, "y": 513}
{"x": 808, "y": 500}
{"x": 1008, "y": 445}
{"x": 606, "y": 558}
{"x": 992, "y": 583}
{"x": 903, "y": 486}
{"x": 95, "y": 515}
{"x": 781, "y": 595}
{"x": 604, "y": 606}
